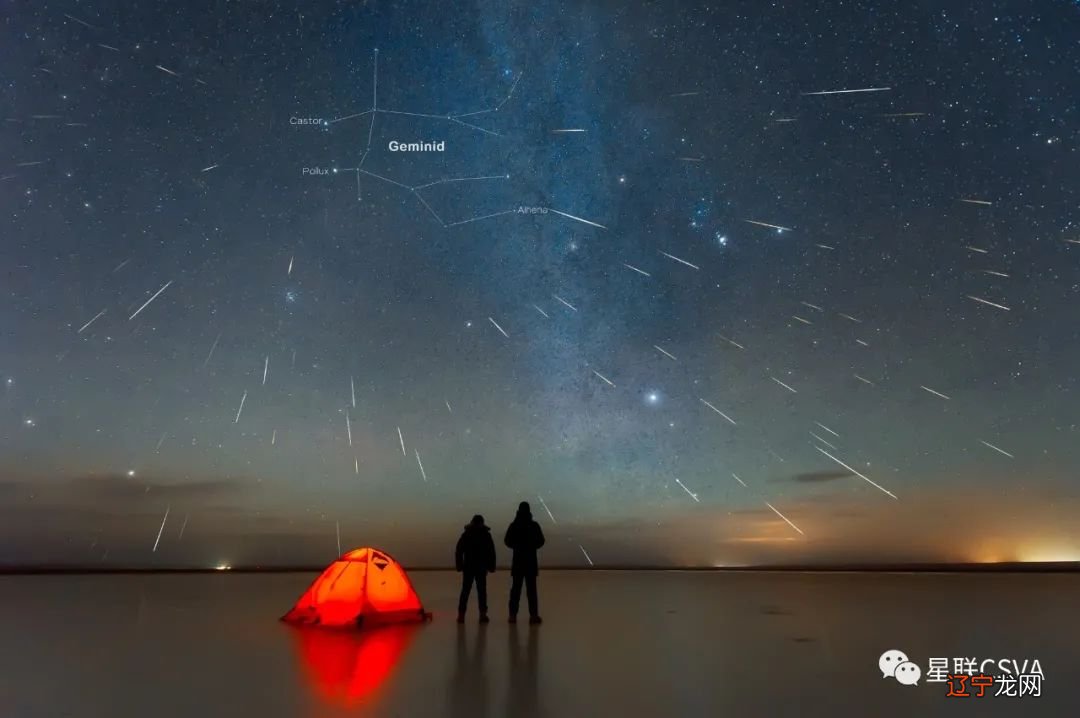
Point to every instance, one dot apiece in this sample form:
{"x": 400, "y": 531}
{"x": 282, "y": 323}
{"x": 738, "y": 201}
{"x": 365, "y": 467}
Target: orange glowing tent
{"x": 363, "y": 587}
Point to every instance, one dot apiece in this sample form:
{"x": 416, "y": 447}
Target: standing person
{"x": 474, "y": 557}
{"x": 525, "y": 538}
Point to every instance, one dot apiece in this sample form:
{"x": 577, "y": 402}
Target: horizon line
{"x": 964, "y": 567}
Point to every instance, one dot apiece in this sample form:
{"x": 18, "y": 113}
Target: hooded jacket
{"x": 525, "y": 538}
{"x": 475, "y": 552}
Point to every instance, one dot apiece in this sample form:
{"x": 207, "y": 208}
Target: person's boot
{"x": 461, "y": 617}
{"x": 535, "y": 620}
{"x": 484, "y": 618}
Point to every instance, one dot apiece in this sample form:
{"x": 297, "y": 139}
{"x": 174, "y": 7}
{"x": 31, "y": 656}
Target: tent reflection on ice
{"x": 364, "y": 587}
{"x": 346, "y": 668}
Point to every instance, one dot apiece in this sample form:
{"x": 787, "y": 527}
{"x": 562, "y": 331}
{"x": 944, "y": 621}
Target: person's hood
{"x": 477, "y": 527}
{"x": 523, "y": 516}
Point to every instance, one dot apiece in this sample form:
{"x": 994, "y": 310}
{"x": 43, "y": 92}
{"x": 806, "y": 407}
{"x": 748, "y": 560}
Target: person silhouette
{"x": 474, "y": 557}
{"x": 525, "y": 538}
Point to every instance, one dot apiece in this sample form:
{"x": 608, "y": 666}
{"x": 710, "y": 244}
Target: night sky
{"x": 665, "y": 281}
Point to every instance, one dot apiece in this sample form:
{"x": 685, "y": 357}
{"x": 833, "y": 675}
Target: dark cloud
{"x": 817, "y": 477}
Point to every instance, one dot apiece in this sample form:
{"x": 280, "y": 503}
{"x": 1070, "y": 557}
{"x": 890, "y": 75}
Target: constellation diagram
{"x": 455, "y": 118}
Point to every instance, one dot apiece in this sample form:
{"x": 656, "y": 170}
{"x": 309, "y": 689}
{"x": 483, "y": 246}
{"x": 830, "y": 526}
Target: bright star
{"x": 721, "y": 239}
{"x": 652, "y": 398}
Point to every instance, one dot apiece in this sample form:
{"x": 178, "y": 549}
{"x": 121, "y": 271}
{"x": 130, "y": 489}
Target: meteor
{"x": 692, "y": 494}
{"x": 579, "y": 219}
{"x": 935, "y": 393}
{"x": 783, "y": 385}
{"x": 150, "y": 300}
{"x": 165, "y": 69}
{"x": 846, "y": 92}
{"x": 1000, "y": 451}
{"x": 777, "y": 227}
{"x": 977, "y": 201}
{"x": 989, "y": 303}
{"x": 563, "y": 301}
{"x": 864, "y": 478}
{"x": 785, "y": 518}
{"x": 668, "y": 355}
{"x": 496, "y": 325}
{"x": 84, "y": 326}
{"x": 680, "y": 261}
{"x": 606, "y": 380}
{"x": 242, "y": 400}
{"x": 732, "y": 421}
{"x": 163, "y": 520}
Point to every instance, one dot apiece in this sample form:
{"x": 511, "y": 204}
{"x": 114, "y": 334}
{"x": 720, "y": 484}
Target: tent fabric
{"x": 364, "y": 586}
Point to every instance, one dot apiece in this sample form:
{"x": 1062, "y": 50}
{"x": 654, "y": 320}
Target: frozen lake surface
{"x": 612, "y": 644}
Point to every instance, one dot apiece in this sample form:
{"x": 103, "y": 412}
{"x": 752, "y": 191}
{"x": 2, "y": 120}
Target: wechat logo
{"x": 895, "y": 664}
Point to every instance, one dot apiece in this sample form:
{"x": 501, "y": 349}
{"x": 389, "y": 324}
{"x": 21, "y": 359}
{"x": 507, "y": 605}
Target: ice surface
{"x": 612, "y": 644}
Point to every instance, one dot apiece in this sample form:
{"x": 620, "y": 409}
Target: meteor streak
{"x": 496, "y": 325}
{"x": 606, "y": 380}
{"x": 84, "y": 326}
{"x": 854, "y": 471}
{"x": 999, "y": 450}
{"x": 401, "y": 438}
{"x": 935, "y": 393}
{"x": 783, "y": 385}
{"x": 242, "y": 400}
{"x": 630, "y": 266}
{"x": 564, "y": 302}
{"x": 150, "y": 300}
{"x": 165, "y": 69}
{"x": 732, "y": 421}
{"x": 680, "y": 261}
{"x": 670, "y": 356}
{"x": 977, "y": 201}
{"x": 777, "y": 227}
{"x": 420, "y": 463}
{"x": 845, "y": 92}
{"x": 785, "y": 518}
{"x": 734, "y": 476}
{"x": 544, "y": 504}
{"x": 989, "y": 303}
{"x": 163, "y": 520}
{"x": 692, "y": 494}
{"x": 579, "y": 219}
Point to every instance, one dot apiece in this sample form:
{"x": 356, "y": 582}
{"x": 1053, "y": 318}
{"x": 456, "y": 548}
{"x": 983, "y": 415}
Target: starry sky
{"x": 708, "y": 284}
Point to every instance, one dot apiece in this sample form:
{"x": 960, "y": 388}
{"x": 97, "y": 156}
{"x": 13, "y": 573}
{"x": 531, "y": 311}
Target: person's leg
{"x": 481, "y": 593}
{"x": 515, "y": 595}
{"x": 530, "y": 592}
{"x": 466, "y": 588}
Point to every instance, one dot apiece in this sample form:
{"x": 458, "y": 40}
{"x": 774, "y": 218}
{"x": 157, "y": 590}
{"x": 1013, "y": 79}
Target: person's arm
{"x": 459, "y": 554}
{"x": 509, "y": 538}
{"x": 539, "y": 535}
{"x": 491, "y": 554}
